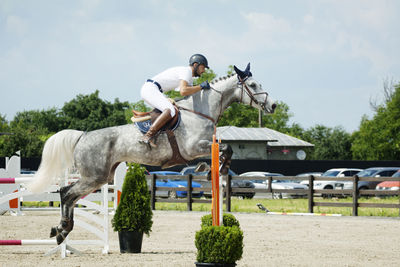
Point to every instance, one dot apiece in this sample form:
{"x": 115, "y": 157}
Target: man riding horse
{"x": 175, "y": 78}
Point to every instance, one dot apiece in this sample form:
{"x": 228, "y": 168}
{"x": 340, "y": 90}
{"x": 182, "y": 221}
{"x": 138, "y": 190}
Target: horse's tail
{"x": 57, "y": 156}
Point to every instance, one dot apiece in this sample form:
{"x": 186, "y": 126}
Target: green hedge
{"x": 134, "y": 210}
{"x": 219, "y": 244}
{"x": 227, "y": 220}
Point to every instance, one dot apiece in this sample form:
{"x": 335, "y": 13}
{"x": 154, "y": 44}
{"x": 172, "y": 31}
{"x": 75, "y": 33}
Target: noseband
{"x": 251, "y": 95}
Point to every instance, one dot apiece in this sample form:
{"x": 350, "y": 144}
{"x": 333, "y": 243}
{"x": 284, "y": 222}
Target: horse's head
{"x": 252, "y": 92}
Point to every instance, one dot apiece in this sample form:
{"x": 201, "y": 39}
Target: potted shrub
{"x": 219, "y": 245}
{"x": 133, "y": 216}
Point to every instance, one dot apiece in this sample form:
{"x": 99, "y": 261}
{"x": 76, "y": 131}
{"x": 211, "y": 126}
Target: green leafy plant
{"x": 219, "y": 244}
{"x": 134, "y": 211}
{"x": 227, "y": 220}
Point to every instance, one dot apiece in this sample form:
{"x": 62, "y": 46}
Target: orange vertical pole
{"x": 215, "y": 210}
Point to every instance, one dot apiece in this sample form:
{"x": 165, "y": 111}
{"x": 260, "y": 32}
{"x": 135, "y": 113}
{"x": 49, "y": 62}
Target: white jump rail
{"x": 12, "y": 191}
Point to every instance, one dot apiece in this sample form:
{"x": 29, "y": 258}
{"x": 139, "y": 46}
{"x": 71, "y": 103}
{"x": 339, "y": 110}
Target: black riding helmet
{"x": 198, "y": 58}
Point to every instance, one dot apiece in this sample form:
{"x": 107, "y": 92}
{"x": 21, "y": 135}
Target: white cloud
{"x": 16, "y": 25}
{"x": 308, "y": 19}
{"x": 267, "y": 23}
{"x": 107, "y": 32}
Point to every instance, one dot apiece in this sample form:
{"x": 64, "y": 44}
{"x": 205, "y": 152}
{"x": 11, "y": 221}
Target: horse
{"x": 96, "y": 154}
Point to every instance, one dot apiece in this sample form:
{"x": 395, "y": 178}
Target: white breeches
{"x": 152, "y": 96}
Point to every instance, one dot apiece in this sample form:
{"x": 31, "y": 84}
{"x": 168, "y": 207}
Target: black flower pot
{"x": 130, "y": 241}
{"x": 211, "y": 264}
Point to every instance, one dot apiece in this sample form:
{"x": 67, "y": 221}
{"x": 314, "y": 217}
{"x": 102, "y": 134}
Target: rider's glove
{"x": 205, "y": 85}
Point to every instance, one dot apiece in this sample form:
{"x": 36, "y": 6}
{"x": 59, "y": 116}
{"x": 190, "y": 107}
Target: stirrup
{"x": 148, "y": 141}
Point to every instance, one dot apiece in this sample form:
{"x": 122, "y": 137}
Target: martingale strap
{"x": 176, "y": 158}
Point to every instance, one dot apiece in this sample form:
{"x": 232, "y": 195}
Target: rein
{"x": 202, "y": 115}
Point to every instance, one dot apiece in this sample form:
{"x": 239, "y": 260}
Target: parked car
{"x": 332, "y": 184}
{"x": 260, "y": 184}
{"x": 306, "y": 174}
{"x": 234, "y": 183}
{"x": 390, "y": 185}
{"x": 191, "y": 170}
{"x": 276, "y": 184}
{"x": 371, "y": 172}
{"x": 174, "y": 183}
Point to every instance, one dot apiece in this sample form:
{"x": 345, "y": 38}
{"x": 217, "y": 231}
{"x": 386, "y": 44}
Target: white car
{"x": 337, "y": 172}
{"x": 276, "y": 184}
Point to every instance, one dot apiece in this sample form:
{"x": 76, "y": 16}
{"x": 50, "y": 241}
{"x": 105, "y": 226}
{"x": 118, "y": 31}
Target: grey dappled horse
{"x": 96, "y": 154}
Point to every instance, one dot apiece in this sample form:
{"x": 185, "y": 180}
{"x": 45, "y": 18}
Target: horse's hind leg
{"x": 69, "y": 195}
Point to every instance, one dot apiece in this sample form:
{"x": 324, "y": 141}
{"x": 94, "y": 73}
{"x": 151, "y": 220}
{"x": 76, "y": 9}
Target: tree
{"x": 330, "y": 143}
{"x": 52, "y": 120}
{"x": 3, "y": 124}
{"x": 138, "y": 106}
{"x": 89, "y": 112}
{"x": 27, "y": 140}
{"x": 241, "y": 115}
{"x": 378, "y": 138}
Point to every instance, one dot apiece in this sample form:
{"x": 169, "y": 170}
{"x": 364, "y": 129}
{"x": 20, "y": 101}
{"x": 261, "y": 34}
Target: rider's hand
{"x": 205, "y": 85}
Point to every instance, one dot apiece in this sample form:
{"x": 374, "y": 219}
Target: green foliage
{"x": 30, "y": 129}
{"x": 241, "y": 115}
{"x": 134, "y": 212}
{"x": 51, "y": 120}
{"x": 27, "y": 140}
{"x": 208, "y": 75}
{"x": 227, "y": 220}
{"x": 330, "y": 143}
{"x": 378, "y": 138}
{"x": 219, "y": 244}
{"x": 89, "y": 112}
{"x": 4, "y": 128}
{"x": 138, "y": 106}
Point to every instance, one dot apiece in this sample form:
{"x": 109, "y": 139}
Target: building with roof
{"x": 262, "y": 143}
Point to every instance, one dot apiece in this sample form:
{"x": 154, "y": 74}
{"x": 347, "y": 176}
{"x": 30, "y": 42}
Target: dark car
{"x": 234, "y": 183}
{"x": 371, "y": 172}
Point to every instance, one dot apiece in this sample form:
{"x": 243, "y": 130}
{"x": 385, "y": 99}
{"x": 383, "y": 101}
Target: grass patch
{"x": 293, "y": 205}
{"x": 276, "y": 205}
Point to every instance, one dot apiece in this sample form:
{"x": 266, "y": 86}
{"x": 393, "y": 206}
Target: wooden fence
{"x": 311, "y": 193}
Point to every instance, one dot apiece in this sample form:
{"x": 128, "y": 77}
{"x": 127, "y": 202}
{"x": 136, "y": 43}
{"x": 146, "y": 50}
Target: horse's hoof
{"x": 53, "y": 231}
{"x": 60, "y": 238}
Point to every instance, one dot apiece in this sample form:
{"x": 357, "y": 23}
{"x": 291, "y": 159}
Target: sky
{"x": 325, "y": 59}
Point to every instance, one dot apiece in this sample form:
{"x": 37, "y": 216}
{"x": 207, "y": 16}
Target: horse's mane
{"x": 212, "y": 82}
{"x": 222, "y": 78}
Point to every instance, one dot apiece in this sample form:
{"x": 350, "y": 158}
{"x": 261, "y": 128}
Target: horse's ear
{"x": 239, "y": 72}
{"x": 247, "y": 71}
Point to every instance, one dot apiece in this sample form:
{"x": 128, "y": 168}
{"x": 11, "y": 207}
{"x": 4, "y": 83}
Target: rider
{"x": 178, "y": 78}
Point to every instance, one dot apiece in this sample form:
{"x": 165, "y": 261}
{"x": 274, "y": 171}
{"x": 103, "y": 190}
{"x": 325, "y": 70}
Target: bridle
{"x": 251, "y": 95}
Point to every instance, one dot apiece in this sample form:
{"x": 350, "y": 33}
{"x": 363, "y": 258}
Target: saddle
{"x": 144, "y": 120}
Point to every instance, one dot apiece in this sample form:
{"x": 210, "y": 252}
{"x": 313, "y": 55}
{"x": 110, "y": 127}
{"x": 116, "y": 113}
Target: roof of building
{"x": 274, "y": 138}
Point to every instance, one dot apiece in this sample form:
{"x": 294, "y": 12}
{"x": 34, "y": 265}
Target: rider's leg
{"x": 157, "y": 125}
{"x": 156, "y": 99}
{"x": 152, "y": 96}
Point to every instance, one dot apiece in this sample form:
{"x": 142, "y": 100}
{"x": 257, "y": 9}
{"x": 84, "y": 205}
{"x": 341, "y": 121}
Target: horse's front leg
{"x": 225, "y": 156}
